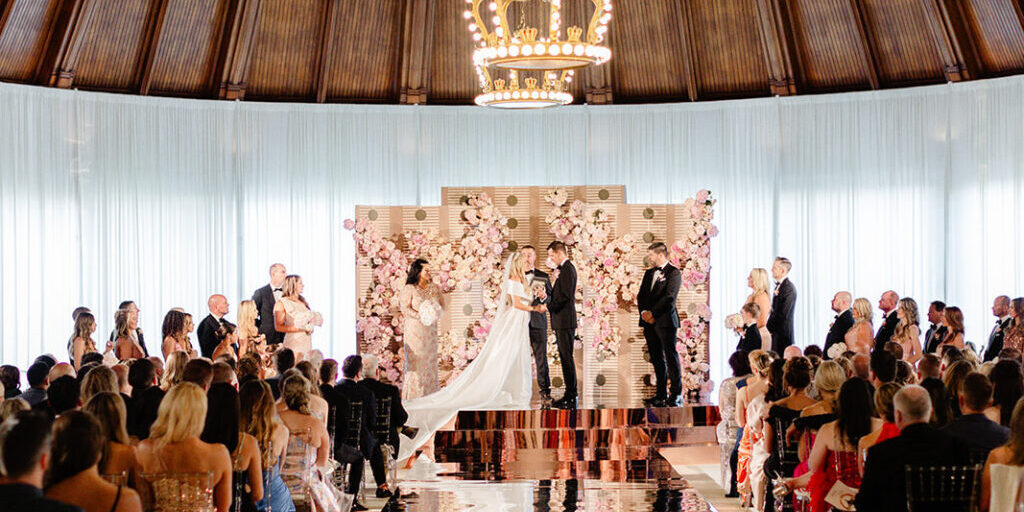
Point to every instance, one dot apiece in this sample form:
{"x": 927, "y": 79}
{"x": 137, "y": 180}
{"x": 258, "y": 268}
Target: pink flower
{"x": 350, "y": 224}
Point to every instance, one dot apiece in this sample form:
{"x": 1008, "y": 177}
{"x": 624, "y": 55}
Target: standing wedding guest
{"x": 145, "y": 399}
{"x": 259, "y": 420}
{"x": 25, "y": 455}
{"x": 420, "y": 331}
{"x": 841, "y": 303}
{"x": 887, "y": 303}
{"x": 860, "y": 337}
{"x": 249, "y": 340}
{"x": 73, "y": 476}
{"x": 953, "y": 320}
{"x": 907, "y": 333}
{"x": 1004, "y": 319}
{"x": 74, "y": 317}
{"x": 292, "y": 316}
{"x": 222, "y": 427}
{"x": 1007, "y": 389}
{"x": 538, "y": 322}
{"x": 38, "y": 376}
{"x": 1014, "y": 338}
{"x": 979, "y": 433}
{"x": 397, "y": 415}
{"x": 173, "y": 370}
{"x": 656, "y": 302}
{"x": 133, "y": 325}
{"x": 175, "y": 334}
{"x": 936, "y": 331}
{"x": 759, "y": 285}
{"x": 207, "y": 331}
{"x": 728, "y": 429}
{"x": 227, "y": 341}
{"x": 751, "y": 338}
{"x": 126, "y": 346}
{"x": 10, "y": 377}
{"x": 780, "y": 321}
{"x": 118, "y": 455}
{"x": 175, "y": 447}
{"x": 81, "y": 341}
{"x": 265, "y": 299}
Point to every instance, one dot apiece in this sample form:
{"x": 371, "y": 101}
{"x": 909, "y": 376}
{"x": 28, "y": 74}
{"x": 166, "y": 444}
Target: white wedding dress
{"x": 499, "y": 378}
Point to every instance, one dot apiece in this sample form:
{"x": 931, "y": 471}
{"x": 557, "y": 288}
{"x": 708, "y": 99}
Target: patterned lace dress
{"x": 420, "y": 377}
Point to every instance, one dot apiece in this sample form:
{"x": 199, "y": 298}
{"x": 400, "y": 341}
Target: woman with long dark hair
{"x": 222, "y": 426}
{"x": 953, "y": 319}
{"x": 421, "y": 305}
{"x": 175, "y": 331}
{"x": 118, "y": 455}
{"x": 1007, "y": 389}
{"x": 729, "y": 432}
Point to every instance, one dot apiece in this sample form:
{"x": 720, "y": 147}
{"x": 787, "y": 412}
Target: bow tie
{"x": 278, "y": 290}
{"x": 529, "y": 271}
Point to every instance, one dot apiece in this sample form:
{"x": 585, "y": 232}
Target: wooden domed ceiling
{"x": 418, "y": 51}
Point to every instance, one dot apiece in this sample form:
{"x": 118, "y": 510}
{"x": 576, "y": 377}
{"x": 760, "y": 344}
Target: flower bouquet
{"x": 430, "y": 312}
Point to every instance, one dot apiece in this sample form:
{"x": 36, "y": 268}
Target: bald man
{"x": 842, "y": 322}
{"x": 887, "y": 303}
{"x": 1004, "y": 320}
{"x": 207, "y": 330}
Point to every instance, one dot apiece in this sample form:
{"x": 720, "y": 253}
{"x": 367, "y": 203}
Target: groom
{"x": 563, "y": 319}
{"x": 656, "y": 301}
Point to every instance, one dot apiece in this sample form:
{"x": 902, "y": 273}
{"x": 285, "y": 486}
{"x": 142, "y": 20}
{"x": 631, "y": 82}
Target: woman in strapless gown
{"x": 293, "y": 317}
{"x": 759, "y": 284}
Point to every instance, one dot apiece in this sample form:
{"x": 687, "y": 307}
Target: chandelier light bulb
{"x": 467, "y": 14}
{"x": 493, "y": 6}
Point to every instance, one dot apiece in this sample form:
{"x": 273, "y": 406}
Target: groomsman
{"x": 937, "y": 332}
{"x": 133, "y": 324}
{"x": 562, "y": 307}
{"x": 656, "y": 302}
{"x": 539, "y": 322}
{"x": 842, "y": 323}
{"x": 780, "y": 320}
{"x": 207, "y": 330}
{"x": 1001, "y": 310}
{"x": 265, "y": 298}
{"x": 887, "y": 303}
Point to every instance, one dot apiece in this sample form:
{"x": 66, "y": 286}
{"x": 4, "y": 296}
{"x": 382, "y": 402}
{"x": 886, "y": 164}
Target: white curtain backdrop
{"x": 165, "y": 201}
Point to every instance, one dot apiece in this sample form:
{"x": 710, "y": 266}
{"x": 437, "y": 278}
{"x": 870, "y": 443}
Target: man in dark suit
{"x": 780, "y": 320}
{"x": 937, "y": 332}
{"x": 1004, "y": 320}
{"x": 207, "y": 330}
{"x": 540, "y": 282}
{"x": 562, "y": 306}
{"x": 751, "y": 339}
{"x": 145, "y": 401}
{"x": 887, "y": 303}
{"x": 284, "y": 360}
{"x": 133, "y": 323}
{"x": 656, "y": 302}
{"x": 25, "y": 455}
{"x": 980, "y": 434}
{"x": 884, "y": 488}
{"x": 398, "y": 415}
{"x": 842, "y": 323}
{"x": 353, "y": 391}
{"x": 265, "y": 298}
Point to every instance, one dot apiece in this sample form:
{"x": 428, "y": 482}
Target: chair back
{"x": 382, "y": 430}
{"x": 943, "y": 488}
{"x": 1005, "y": 494}
{"x": 355, "y": 424}
{"x": 118, "y": 479}
{"x": 177, "y": 492}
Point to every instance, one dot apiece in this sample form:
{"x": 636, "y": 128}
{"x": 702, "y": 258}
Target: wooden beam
{"x": 154, "y": 27}
{"x": 956, "y": 48}
{"x": 869, "y": 53}
{"x": 778, "y": 43}
{"x": 236, "y": 41}
{"x": 6, "y": 6}
{"x": 326, "y": 57}
{"x": 417, "y": 45}
{"x": 64, "y": 39}
{"x": 1018, "y": 8}
{"x": 685, "y": 19}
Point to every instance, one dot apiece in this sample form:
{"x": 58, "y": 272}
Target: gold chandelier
{"x": 551, "y": 58}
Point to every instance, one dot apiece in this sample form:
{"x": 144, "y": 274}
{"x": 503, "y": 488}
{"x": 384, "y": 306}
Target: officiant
{"x": 540, "y": 283}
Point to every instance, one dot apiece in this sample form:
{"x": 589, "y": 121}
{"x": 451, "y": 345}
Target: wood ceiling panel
{"x": 186, "y": 54}
{"x": 647, "y": 60}
{"x": 23, "y": 39}
{"x": 287, "y": 46}
{"x": 451, "y": 72}
{"x": 906, "y": 50}
{"x": 366, "y": 50}
{"x": 113, "y": 46}
{"x": 999, "y": 34}
{"x": 828, "y": 41}
{"x": 729, "y": 54}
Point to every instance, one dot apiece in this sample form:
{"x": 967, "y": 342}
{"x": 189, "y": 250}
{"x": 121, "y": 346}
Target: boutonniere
{"x": 776, "y": 291}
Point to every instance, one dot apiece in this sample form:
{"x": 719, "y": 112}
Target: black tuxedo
{"x": 888, "y": 327}
{"x": 562, "y": 307}
{"x": 837, "y": 333}
{"x": 936, "y": 333}
{"x": 265, "y": 301}
{"x": 356, "y": 392}
{"x": 207, "y": 334}
{"x": 539, "y": 334}
{"x": 751, "y": 339}
{"x": 884, "y": 487}
{"x": 780, "y": 320}
{"x": 398, "y": 414}
{"x": 658, "y": 293}
{"x": 113, "y": 337}
{"x": 995, "y": 340}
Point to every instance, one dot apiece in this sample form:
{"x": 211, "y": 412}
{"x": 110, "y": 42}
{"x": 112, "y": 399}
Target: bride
{"x": 500, "y": 376}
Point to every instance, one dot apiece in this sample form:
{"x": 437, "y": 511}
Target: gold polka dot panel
{"x": 421, "y": 215}
{"x": 557, "y": 382}
{"x": 464, "y": 200}
{"x": 648, "y": 237}
{"x": 647, "y": 380}
{"x": 513, "y": 246}
{"x": 600, "y": 380}
{"x": 512, "y": 223}
{"x": 512, "y": 200}
{"x": 603, "y": 194}
{"x": 372, "y": 215}
{"x": 467, "y": 310}
{"x": 648, "y": 213}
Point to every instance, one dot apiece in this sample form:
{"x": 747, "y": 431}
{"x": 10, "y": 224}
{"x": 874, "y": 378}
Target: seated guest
{"x": 905, "y": 373}
{"x": 174, "y": 369}
{"x": 328, "y": 375}
{"x": 919, "y": 444}
{"x": 337, "y": 405}
{"x": 813, "y": 350}
{"x": 942, "y": 413}
{"x": 38, "y": 376}
{"x": 284, "y": 360}
{"x": 827, "y": 381}
{"x": 351, "y": 389}
{"x": 929, "y": 367}
{"x": 953, "y": 377}
{"x": 317, "y": 404}
{"x": 73, "y": 476}
{"x": 895, "y": 349}
{"x": 63, "y": 394}
{"x": 24, "y": 455}
{"x": 1007, "y": 389}
{"x": 224, "y": 374}
{"x": 61, "y": 370}
{"x": 222, "y": 426}
{"x": 101, "y": 379}
{"x": 118, "y": 455}
{"x": 302, "y": 473}
{"x": 1010, "y": 353}
{"x": 950, "y": 355}
{"x": 884, "y": 406}
{"x": 790, "y": 353}
{"x": 751, "y": 338}
{"x": 92, "y": 357}
{"x": 11, "y": 407}
{"x": 1011, "y": 454}
{"x": 198, "y": 372}
{"x": 175, "y": 448}
{"x": 249, "y": 368}
{"x": 145, "y": 399}
{"x": 980, "y": 434}
{"x": 126, "y": 346}
{"x": 862, "y": 366}
{"x": 258, "y": 419}
{"x": 123, "y": 386}
{"x": 883, "y": 367}
{"x": 10, "y": 377}
{"x": 398, "y": 416}
{"x": 728, "y": 431}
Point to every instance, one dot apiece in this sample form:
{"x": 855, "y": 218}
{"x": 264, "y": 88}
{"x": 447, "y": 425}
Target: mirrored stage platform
{"x": 563, "y": 460}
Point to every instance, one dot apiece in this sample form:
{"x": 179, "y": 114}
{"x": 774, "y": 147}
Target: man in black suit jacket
{"x": 656, "y": 302}
{"x": 1004, "y": 320}
{"x": 133, "y": 323}
{"x": 353, "y": 391}
{"x": 842, "y": 323}
{"x": 883, "y": 488}
{"x": 24, "y": 450}
{"x": 398, "y": 415}
{"x": 937, "y": 332}
{"x": 887, "y": 303}
{"x": 539, "y": 322}
{"x": 562, "y": 306}
{"x": 284, "y": 360}
{"x": 751, "y": 339}
{"x": 265, "y": 298}
{"x": 207, "y": 330}
{"x": 980, "y": 434}
{"x": 780, "y": 320}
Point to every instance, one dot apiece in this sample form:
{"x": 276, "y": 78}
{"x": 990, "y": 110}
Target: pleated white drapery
{"x": 107, "y": 197}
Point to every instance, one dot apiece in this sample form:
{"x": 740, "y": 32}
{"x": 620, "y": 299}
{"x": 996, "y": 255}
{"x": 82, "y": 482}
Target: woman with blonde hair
{"x": 827, "y": 381}
{"x": 953, "y": 319}
{"x": 907, "y": 332}
{"x": 861, "y": 337}
{"x": 98, "y": 380}
{"x": 125, "y": 345}
{"x": 81, "y": 341}
{"x": 13, "y": 406}
{"x": 760, "y": 284}
{"x": 118, "y": 454}
{"x": 174, "y": 369}
{"x": 750, "y": 408}
{"x": 293, "y": 316}
{"x": 174, "y": 447}
{"x": 886, "y": 410}
{"x": 249, "y": 337}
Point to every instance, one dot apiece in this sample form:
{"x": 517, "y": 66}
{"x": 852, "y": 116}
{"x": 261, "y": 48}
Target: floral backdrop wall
{"x": 466, "y": 240}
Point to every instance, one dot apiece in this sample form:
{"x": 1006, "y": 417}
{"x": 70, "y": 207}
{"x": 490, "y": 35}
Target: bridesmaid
{"x": 420, "y": 331}
{"x": 293, "y": 317}
{"x": 907, "y": 333}
{"x": 759, "y": 285}
{"x": 126, "y": 346}
{"x": 175, "y": 334}
{"x": 953, "y": 319}
{"x": 861, "y": 337}
{"x": 81, "y": 341}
